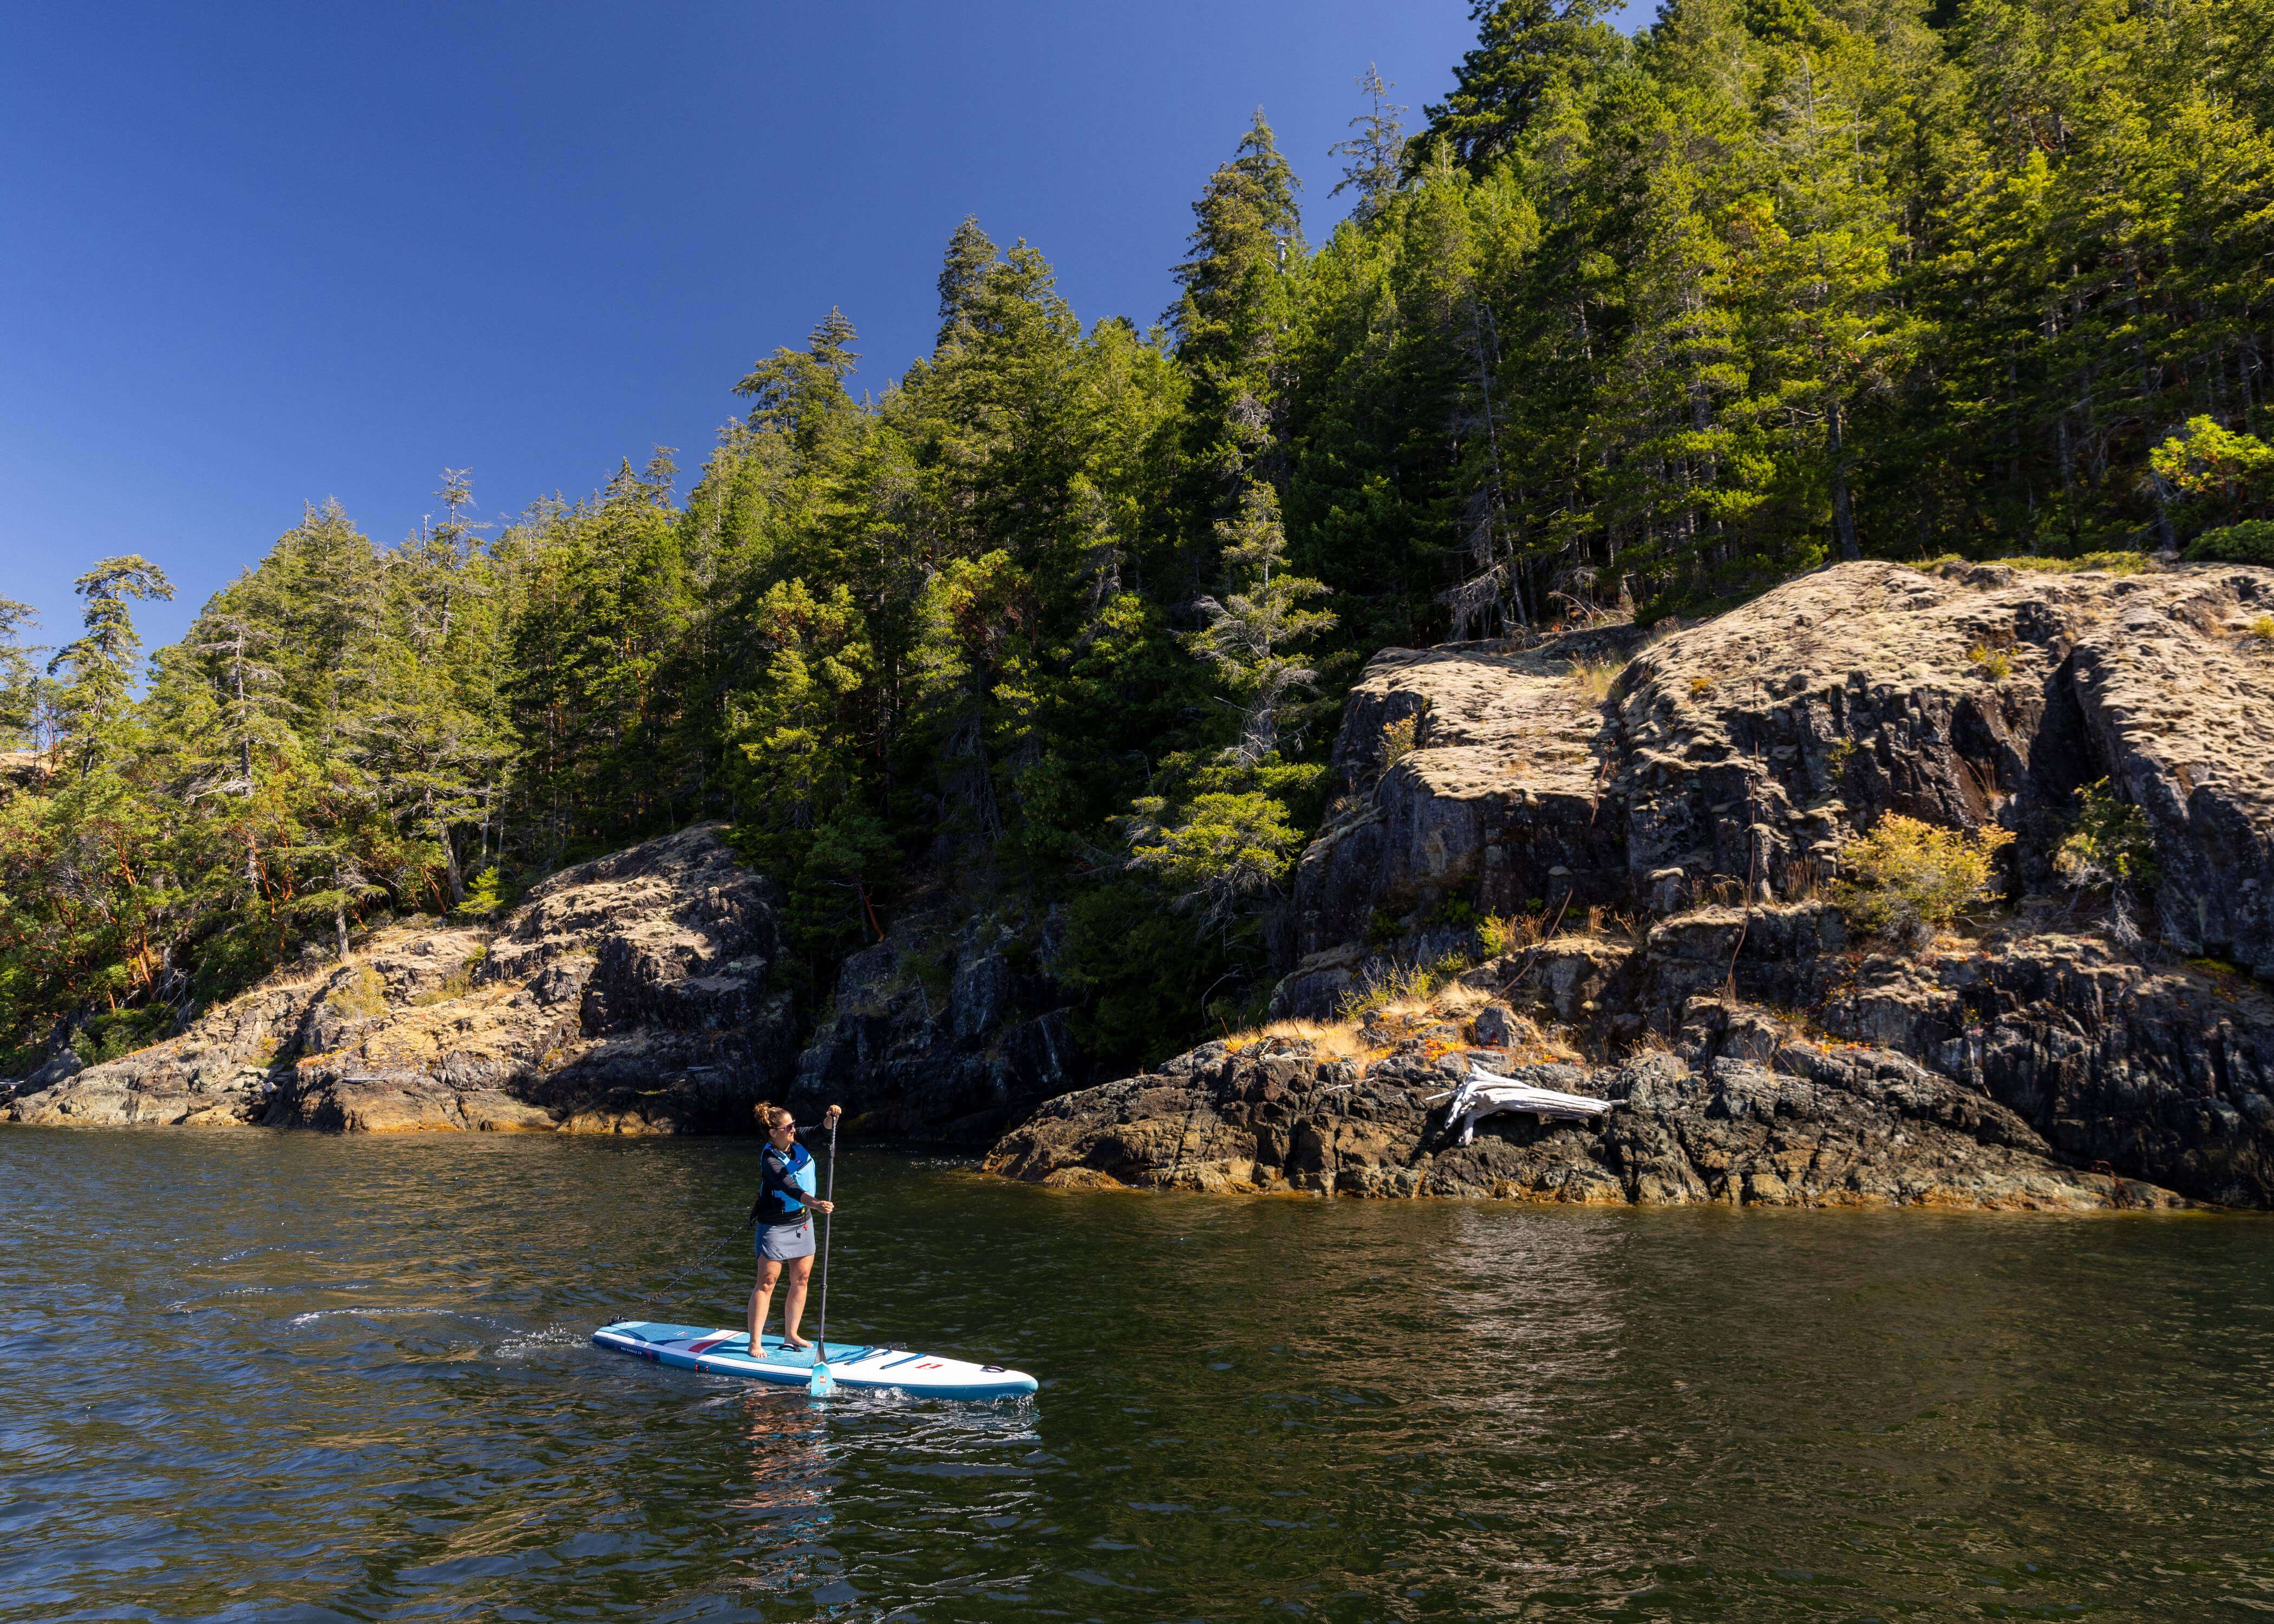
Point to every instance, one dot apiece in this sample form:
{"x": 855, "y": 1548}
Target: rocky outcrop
{"x": 1819, "y": 1130}
{"x": 1740, "y": 755}
{"x": 627, "y": 994}
{"x": 1692, "y": 816}
{"x": 20, "y": 771}
{"x": 1497, "y": 798}
{"x": 949, "y": 1029}
{"x": 2030, "y": 1067}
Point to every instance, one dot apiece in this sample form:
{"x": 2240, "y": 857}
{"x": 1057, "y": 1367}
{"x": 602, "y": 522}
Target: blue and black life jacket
{"x": 781, "y": 1198}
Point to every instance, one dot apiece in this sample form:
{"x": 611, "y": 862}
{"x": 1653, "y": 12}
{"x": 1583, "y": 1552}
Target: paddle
{"x": 821, "y": 1384}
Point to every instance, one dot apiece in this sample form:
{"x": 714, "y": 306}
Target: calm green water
{"x": 249, "y": 1376}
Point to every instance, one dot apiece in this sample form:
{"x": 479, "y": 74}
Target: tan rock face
{"x": 1738, "y": 755}
{"x": 1497, "y": 802}
{"x": 626, "y": 995}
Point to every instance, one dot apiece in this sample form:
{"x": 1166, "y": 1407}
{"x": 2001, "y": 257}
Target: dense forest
{"x": 1062, "y": 613}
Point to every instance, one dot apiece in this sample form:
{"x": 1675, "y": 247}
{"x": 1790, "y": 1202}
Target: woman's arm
{"x": 828, "y": 1120}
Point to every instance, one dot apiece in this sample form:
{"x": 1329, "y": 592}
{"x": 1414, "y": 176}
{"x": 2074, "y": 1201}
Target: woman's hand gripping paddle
{"x": 821, "y": 1384}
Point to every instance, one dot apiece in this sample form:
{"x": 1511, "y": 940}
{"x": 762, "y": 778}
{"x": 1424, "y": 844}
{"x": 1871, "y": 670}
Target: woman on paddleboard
{"x": 784, "y": 1211}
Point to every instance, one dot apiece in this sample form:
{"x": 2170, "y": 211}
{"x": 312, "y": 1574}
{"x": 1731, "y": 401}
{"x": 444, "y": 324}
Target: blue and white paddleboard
{"x": 851, "y": 1365}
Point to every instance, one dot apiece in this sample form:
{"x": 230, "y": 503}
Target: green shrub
{"x": 1498, "y": 935}
{"x": 1397, "y": 740}
{"x": 1906, "y": 877}
{"x": 2111, "y": 845}
{"x": 1400, "y": 984}
{"x": 118, "y": 1031}
{"x": 2214, "y": 470}
{"x": 2250, "y": 542}
{"x": 1453, "y": 913}
{"x": 1996, "y": 664}
{"x": 485, "y": 898}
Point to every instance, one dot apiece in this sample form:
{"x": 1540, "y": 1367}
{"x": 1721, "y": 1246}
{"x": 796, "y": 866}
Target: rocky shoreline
{"x": 1724, "y": 1097}
{"x": 630, "y": 994}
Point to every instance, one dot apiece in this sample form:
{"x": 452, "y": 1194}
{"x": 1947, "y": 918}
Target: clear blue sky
{"x": 264, "y": 255}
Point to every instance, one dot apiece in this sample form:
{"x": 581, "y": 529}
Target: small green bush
{"x": 1906, "y": 877}
{"x": 1996, "y": 664}
{"x": 1399, "y": 984}
{"x": 485, "y": 898}
{"x": 2110, "y": 845}
{"x": 1382, "y": 929}
{"x": 1397, "y": 740}
{"x": 2250, "y": 542}
{"x": 118, "y": 1031}
{"x": 1453, "y": 913}
{"x": 1501, "y": 933}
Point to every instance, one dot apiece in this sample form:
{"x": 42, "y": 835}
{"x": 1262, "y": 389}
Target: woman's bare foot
{"x": 797, "y": 1343}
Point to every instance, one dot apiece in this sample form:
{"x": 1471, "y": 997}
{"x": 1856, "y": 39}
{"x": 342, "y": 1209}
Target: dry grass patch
{"x": 2113, "y": 563}
{"x": 1328, "y": 1040}
{"x": 1596, "y": 678}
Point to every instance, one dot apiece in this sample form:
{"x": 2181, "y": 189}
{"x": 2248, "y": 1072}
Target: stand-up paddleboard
{"x": 853, "y": 1364}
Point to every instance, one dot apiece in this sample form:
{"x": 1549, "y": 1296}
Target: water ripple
{"x": 321, "y": 1378}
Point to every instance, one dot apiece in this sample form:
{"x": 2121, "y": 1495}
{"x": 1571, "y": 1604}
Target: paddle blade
{"x": 821, "y": 1384}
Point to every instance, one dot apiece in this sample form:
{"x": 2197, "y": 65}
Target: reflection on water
{"x": 271, "y": 1376}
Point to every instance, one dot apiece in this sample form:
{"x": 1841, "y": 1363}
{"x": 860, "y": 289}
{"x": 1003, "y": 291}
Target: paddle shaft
{"x": 821, "y": 1340}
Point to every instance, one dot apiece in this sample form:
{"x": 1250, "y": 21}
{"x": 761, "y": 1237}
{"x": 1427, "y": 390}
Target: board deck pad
{"x": 851, "y": 1365}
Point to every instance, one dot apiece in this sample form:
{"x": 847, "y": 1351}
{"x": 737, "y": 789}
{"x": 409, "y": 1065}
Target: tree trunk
{"x": 1843, "y": 514}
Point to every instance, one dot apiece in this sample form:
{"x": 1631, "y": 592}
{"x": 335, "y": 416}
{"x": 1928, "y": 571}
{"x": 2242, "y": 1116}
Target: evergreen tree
{"x": 971, "y": 257}
{"x": 1526, "y": 51}
{"x": 1249, "y": 637}
{"x": 1237, "y": 307}
{"x": 1375, "y": 153}
{"x": 100, "y": 664}
{"x": 20, "y": 692}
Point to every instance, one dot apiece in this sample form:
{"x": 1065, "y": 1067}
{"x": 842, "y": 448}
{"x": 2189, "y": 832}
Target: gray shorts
{"x": 779, "y": 1243}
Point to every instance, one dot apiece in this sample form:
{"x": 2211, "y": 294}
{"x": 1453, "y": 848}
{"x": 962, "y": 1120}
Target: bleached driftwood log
{"x": 1488, "y": 1093}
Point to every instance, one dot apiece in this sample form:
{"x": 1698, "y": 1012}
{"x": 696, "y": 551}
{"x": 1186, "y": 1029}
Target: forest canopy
{"x": 1063, "y": 614}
